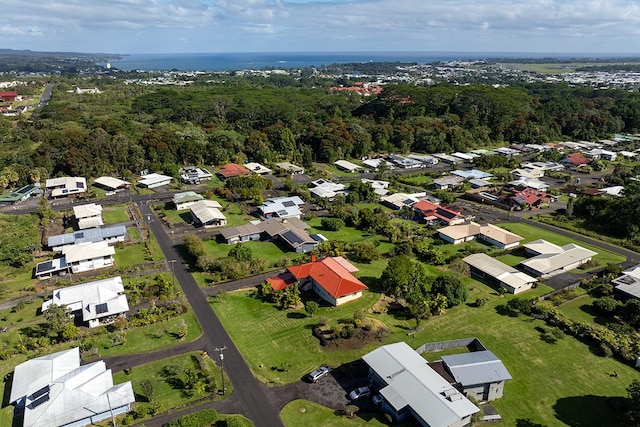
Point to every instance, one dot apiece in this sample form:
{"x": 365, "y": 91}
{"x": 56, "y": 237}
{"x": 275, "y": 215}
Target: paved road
{"x": 251, "y": 394}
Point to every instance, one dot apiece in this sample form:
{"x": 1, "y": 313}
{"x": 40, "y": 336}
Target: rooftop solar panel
{"x": 26, "y": 189}
{"x": 292, "y": 237}
{"x": 44, "y": 266}
{"x": 79, "y": 184}
{"x": 101, "y": 308}
{"x": 288, "y": 203}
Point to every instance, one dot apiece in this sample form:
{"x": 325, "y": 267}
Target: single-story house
{"x": 88, "y": 216}
{"x": 326, "y": 189}
{"x": 400, "y": 200}
{"x": 292, "y": 232}
{"x": 598, "y": 153}
{"x": 575, "y": 159}
{"x": 447, "y": 158}
{"x": 281, "y": 207}
{"x": 616, "y": 190}
{"x": 379, "y": 187}
{"x": 54, "y": 390}
{"x": 410, "y": 388}
{"x": 480, "y": 183}
{"x": 21, "y": 194}
{"x": 425, "y": 159}
{"x": 94, "y": 303}
{"x": 111, "y": 184}
{"x": 489, "y": 233}
{"x": 507, "y": 152}
{"x": 194, "y": 175}
{"x": 10, "y": 96}
{"x": 527, "y": 173}
{"x": 112, "y": 234}
{"x": 465, "y": 157}
{"x": 529, "y": 183}
{"x": 446, "y": 182}
{"x": 232, "y": 169}
{"x": 154, "y": 180}
{"x": 628, "y": 283}
{"x": 507, "y": 277}
{"x": 66, "y": 186}
{"x": 241, "y": 233}
{"x": 377, "y": 163}
{"x": 544, "y": 166}
{"x": 185, "y": 200}
{"x": 347, "y": 166}
{"x": 290, "y": 168}
{"x": 432, "y": 213}
{"x": 47, "y": 269}
{"x": 480, "y": 374}
{"x": 257, "y": 168}
{"x": 529, "y": 197}
{"x": 206, "y": 213}
{"x": 552, "y": 259}
{"x": 404, "y": 162}
{"x": 331, "y": 278}
{"x": 88, "y": 256}
{"x": 472, "y": 174}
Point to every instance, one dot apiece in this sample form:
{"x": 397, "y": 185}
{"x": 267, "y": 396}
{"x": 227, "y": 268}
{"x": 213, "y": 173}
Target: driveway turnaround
{"x": 249, "y": 392}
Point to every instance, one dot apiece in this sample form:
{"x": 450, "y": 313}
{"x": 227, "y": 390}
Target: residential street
{"x": 251, "y": 394}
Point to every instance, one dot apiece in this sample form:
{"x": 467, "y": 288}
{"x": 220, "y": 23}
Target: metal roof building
{"x": 54, "y": 390}
{"x": 477, "y": 367}
{"x": 116, "y": 233}
{"x": 410, "y": 386}
{"x": 514, "y": 281}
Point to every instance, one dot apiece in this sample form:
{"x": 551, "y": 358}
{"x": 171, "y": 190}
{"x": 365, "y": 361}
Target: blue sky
{"x": 171, "y": 26}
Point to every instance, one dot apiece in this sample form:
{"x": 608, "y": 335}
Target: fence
{"x": 473, "y": 344}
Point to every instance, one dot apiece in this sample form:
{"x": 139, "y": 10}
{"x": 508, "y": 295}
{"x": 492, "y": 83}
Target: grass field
{"x": 304, "y": 413}
{"x": 553, "y": 384}
{"x": 115, "y": 214}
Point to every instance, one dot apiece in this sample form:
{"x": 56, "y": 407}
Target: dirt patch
{"x": 348, "y": 336}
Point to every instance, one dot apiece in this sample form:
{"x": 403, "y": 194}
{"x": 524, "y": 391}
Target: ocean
{"x": 288, "y": 60}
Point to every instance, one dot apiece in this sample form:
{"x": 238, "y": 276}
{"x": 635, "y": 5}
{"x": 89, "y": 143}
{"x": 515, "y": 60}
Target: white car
{"x": 318, "y": 373}
{"x": 110, "y": 193}
{"x": 359, "y": 393}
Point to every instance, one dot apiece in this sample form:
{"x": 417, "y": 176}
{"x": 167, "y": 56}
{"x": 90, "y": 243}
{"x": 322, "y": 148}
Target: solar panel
{"x": 79, "y": 184}
{"x": 288, "y": 203}
{"x": 101, "y": 308}
{"x": 40, "y": 401}
{"x": 44, "y": 266}
{"x": 292, "y": 237}
{"x": 26, "y": 189}
{"x": 39, "y": 393}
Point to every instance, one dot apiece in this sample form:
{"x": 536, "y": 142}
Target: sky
{"x": 190, "y": 26}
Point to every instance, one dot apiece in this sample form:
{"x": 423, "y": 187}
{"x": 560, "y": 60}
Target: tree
{"x": 633, "y": 394}
{"x": 70, "y": 332}
{"x": 311, "y": 307}
{"x": 241, "y": 253}
{"x": 451, "y": 287}
{"x": 404, "y": 277}
{"x": 332, "y": 224}
{"x": 57, "y": 317}
{"x": 148, "y": 389}
{"x": 365, "y": 251}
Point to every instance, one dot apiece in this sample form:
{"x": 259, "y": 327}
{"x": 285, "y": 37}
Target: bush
{"x": 332, "y": 224}
{"x": 197, "y": 419}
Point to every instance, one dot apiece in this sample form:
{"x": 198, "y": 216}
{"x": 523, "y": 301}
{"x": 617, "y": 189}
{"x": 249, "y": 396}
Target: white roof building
{"x": 111, "y": 183}
{"x": 207, "y": 213}
{"x": 617, "y": 190}
{"x": 400, "y": 200}
{"x": 194, "y": 175}
{"x": 409, "y": 385}
{"x": 326, "y": 189}
{"x": 347, "y": 166}
{"x": 291, "y": 168}
{"x": 96, "y": 302}
{"x": 376, "y": 163}
{"x": 507, "y": 277}
{"x": 186, "y": 199}
{"x": 154, "y": 180}
{"x": 282, "y": 207}
{"x": 629, "y": 282}
{"x": 553, "y": 259}
{"x": 257, "y": 168}
{"x": 379, "y": 187}
{"x": 428, "y": 160}
{"x": 531, "y": 183}
{"x": 88, "y": 256}
{"x": 66, "y": 186}
{"x": 55, "y": 390}
{"x": 88, "y": 216}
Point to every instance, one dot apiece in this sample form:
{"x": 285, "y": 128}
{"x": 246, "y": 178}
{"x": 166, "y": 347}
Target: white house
{"x": 54, "y": 390}
{"x": 379, "y": 187}
{"x": 185, "y": 200}
{"x": 281, "y": 207}
{"x": 194, "y": 175}
{"x": 88, "y": 256}
{"x": 347, "y": 166}
{"x": 111, "y": 183}
{"x": 207, "y": 213}
{"x": 257, "y": 168}
{"x": 94, "y": 303}
{"x": 410, "y": 388}
{"x": 488, "y": 233}
{"x": 377, "y": 163}
{"x": 628, "y": 283}
{"x": 326, "y": 189}
{"x": 111, "y": 235}
{"x": 507, "y": 277}
{"x": 66, "y": 186}
{"x": 552, "y": 259}
{"x": 291, "y": 168}
{"x": 88, "y": 216}
{"x": 154, "y": 180}
{"x": 480, "y": 373}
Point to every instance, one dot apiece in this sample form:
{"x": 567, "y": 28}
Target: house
{"x": 88, "y": 256}
{"x": 54, "y": 390}
{"x": 488, "y": 233}
{"x": 326, "y": 189}
{"x": 281, "y": 207}
{"x": 404, "y": 162}
{"x": 410, "y": 388}
{"x": 331, "y": 278}
{"x": 575, "y": 160}
{"x": 447, "y": 158}
{"x": 111, "y": 184}
{"x": 111, "y": 235}
{"x": 206, "y": 213}
{"x": 544, "y": 166}
{"x": 379, "y": 187}
{"x": 77, "y": 90}
{"x": 552, "y": 259}
{"x": 154, "y": 180}
{"x": 185, "y": 200}
{"x": 93, "y": 303}
{"x": 47, "y": 269}
{"x": 232, "y": 169}
{"x": 464, "y": 157}
{"x": 480, "y": 183}
{"x": 257, "y": 168}
{"x": 241, "y": 233}
{"x": 292, "y": 232}
{"x": 494, "y": 271}
{"x": 598, "y": 153}
{"x": 9, "y": 96}
{"x": 472, "y": 174}
{"x": 377, "y": 163}
{"x": 447, "y": 182}
{"x": 347, "y": 166}
{"x": 480, "y": 374}
{"x": 616, "y": 190}
{"x": 21, "y": 194}
{"x": 529, "y": 183}
{"x": 398, "y": 201}
{"x": 66, "y": 186}
{"x": 507, "y": 152}
{"x": 290, "y": 168}
{"x": 88, "y": 216}
{"x": 194, "y": 175}
{"x": 529, "y": 197}
{"x": 432, "y": 213}
{"x": 628, "y": 283}
{"x": 426, "y": 160}
{"x": 527, "y": 173}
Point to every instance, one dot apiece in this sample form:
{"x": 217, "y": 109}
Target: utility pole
{"x": 173, "y": 275}
{"x": 219, "y": 349}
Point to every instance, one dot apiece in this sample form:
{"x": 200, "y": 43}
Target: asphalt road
{"x": 250, "y": 393}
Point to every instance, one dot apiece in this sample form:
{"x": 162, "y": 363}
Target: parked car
{"x": 359, "y": 393}
{"x": 318, "y": 373}
{"x": 110, "y": 193}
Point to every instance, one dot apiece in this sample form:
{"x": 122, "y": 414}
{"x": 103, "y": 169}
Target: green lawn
{"x": 304, "y": 413}
{"x": 16, "y": 282}
{"x": 531, "y": 233}
{"x": 553, "y": 384}
{"x": 115, "y": 214}
{"x": 168, "y": 393}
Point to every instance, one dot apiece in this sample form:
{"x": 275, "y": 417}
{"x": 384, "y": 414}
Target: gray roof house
{"x": 185, "y": 200}
{"x": 206, "y": 213}
{"x": 553, "y": 259}
{"x": 54, "y": 390}
{"x": 480, "y": 373}
{"x": 507, "y": 277}
{"x": 113, "y": 234}
{"x": 628, "y": 284}
{"x": 411, "y": 388}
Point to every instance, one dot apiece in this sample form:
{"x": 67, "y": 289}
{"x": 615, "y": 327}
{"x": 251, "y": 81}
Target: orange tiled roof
{"x": 333, "y": 274}
{"x": 233, "y": 169}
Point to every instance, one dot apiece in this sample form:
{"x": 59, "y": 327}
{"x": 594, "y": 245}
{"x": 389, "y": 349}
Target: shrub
{"x": 197, "y": 419}
{"x": 332, "y": 224}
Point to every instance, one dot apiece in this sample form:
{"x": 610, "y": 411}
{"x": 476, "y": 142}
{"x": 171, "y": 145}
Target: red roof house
{"x": 8, "y": 96}
{"x": 331, "y": 278}
{"x": 432, "y": 213}
{"x": 232, "y": 169}
{"x": 530, "y": 197}
{"x": 576, "y": 159}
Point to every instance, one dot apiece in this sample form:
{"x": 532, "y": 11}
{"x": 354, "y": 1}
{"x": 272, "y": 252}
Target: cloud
{"x": 250, "y": 25}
